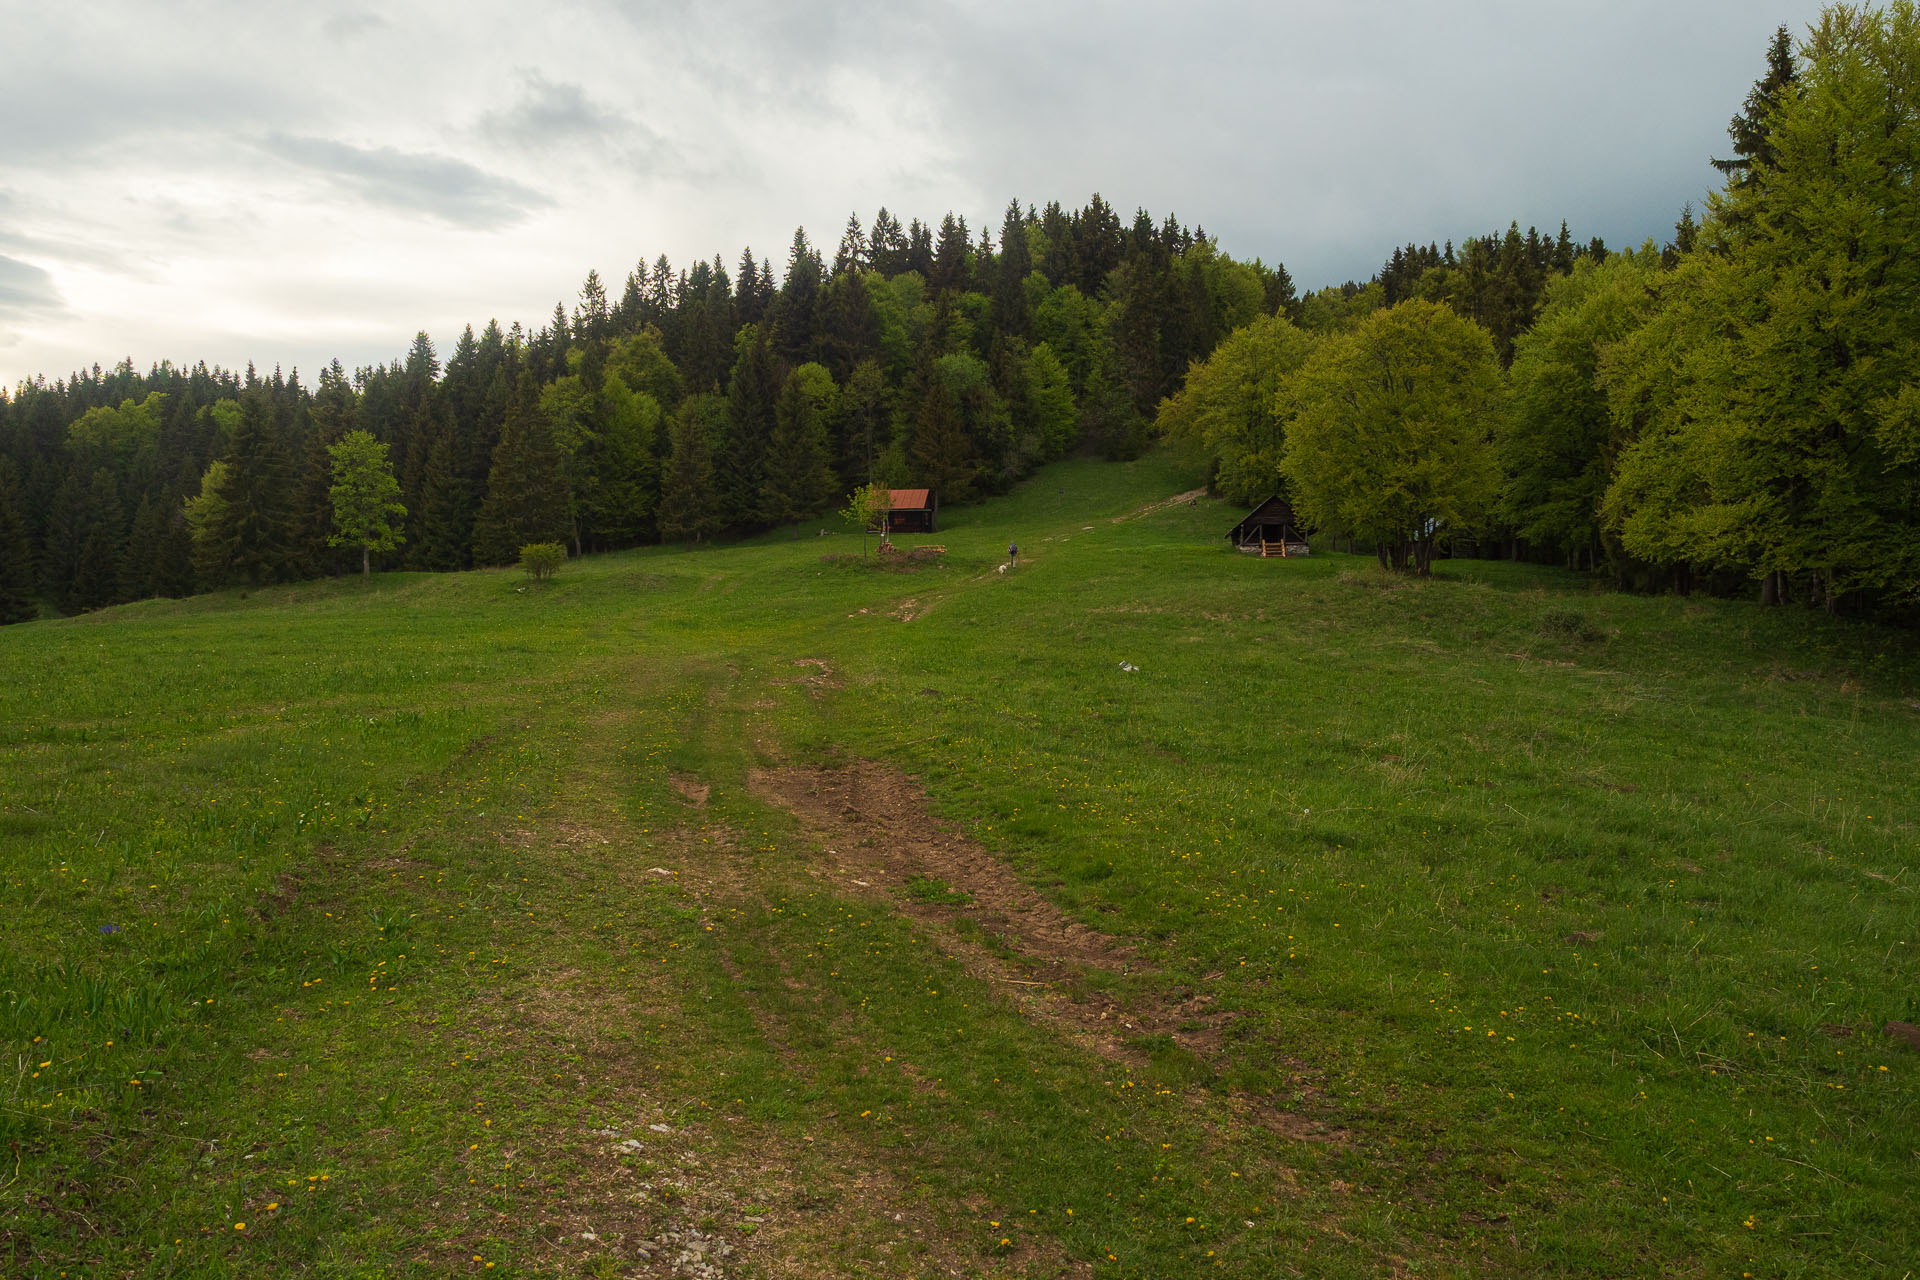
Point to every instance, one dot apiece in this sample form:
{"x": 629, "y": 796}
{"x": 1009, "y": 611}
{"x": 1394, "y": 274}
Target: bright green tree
{"x": 869, "y": 507}
{"x": 205, "y": 514}
{"x": 1772, "y": 399}
{"x": 1229, "y": 405}
{"x": 366, "y": 498}
{"x": 1560, "y": 443}
{"x": 1390, "y": 431}
{"x": 1050, "y": 402}
{"x": 541, "y": 560}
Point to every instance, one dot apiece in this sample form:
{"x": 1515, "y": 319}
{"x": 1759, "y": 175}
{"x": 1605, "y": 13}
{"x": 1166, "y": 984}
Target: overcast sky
{"x": 286, "y": 183}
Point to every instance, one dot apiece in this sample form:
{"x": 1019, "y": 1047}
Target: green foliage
{"x": 1560, "y": 444}
{"x": 206, "y": 514}
{"x": 527, "y": 498}
{"x": 1050, "y": 402}
{"x": 1230, "y": 405}
{"x": 16, "y": 560}
{"x": 254, "y": 526}
{"x": 1764, "y": 396}
{"x": 1390, "y": 430}
{"x": 799, "y": 472}
{"x": 867, "y": 509}
{"x": 689, "y": 504}
{"x": 1339, "y": 309}
{"x": 942, "y": 457}
{"x": 1751, "y": 130}
{"x": 365, "y": 496}
{"x": 1568, "y": 624}
{"x": 541, "y": 560}
{"x": 123, "y": 439}
{"x": 97, "y": 584}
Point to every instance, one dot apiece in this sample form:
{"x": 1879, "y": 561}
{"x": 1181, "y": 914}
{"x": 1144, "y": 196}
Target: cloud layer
{"x": 212, "y": 180}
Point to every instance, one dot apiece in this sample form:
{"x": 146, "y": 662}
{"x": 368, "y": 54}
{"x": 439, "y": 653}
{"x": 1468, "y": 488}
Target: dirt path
{"x": 874, "y": 826}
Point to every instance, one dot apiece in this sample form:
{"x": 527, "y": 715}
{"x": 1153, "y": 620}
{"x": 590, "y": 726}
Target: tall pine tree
{"x": 255, "y": 531}
{"x": 526, "y": 489}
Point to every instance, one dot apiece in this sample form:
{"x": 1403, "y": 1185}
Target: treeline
{"x": 694, "y": 402}
{"x": 1737, "y": 410}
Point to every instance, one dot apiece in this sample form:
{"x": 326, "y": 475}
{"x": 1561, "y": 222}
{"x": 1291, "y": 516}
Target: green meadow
{"x": 1486, "y": 925}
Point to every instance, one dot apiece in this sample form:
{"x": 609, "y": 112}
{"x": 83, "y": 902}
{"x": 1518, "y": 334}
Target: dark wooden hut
{"x": 1270, "y": 530}
{"x": 913, "y": 511}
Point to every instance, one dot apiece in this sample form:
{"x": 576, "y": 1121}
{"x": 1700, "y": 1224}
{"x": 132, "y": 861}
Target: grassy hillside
{"x": 760, "y": 912}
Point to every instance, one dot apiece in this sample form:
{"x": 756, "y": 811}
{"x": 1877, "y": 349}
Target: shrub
{"x": 1568, "y": 624}
{"x": 541, "y": 559}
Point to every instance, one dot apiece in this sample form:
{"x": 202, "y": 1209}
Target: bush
{"x": 541, "y": 559}
{"x": 1568, "y": 624}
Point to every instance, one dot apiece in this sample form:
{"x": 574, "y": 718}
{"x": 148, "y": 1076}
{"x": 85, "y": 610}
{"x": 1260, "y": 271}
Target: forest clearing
{"x": 1148, "y": 910}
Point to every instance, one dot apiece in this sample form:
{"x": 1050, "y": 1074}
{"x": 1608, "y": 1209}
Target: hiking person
{"x": 1013, "y": 553}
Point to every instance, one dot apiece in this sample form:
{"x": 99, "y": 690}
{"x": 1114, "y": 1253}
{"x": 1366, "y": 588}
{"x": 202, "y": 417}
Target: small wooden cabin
{"x": 1270, "y": 530}
{"x": 913, "y": 511}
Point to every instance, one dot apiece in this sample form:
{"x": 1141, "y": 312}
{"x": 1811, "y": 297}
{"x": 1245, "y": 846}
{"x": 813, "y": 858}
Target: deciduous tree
{"x": 367, "y": 512}
{"x": 1390, "y": 431}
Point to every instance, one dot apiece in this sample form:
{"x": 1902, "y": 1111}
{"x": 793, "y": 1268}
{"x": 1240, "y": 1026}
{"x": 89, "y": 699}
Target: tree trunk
{"x": 366, "y": 564}
{"x": 1771, "y": 589}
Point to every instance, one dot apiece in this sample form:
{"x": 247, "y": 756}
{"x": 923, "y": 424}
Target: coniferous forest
{"x": 1735, "y": 411}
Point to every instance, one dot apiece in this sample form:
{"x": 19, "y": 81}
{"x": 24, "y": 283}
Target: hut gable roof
{"x": 911, "y": 499}
{"x": 1275, "y": 510}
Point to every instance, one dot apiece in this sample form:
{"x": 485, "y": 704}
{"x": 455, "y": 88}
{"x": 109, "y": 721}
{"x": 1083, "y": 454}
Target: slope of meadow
{"x": 755, "y": 912}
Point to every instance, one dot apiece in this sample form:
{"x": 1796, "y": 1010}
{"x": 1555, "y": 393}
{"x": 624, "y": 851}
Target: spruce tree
{"x": 888, "y": 245}
{"x": 16, "y": 559}
{"x": 446, "y": 517}
{"x": 748, "y": 306}
{"x": 1011, "y": 314}
{"x": 941, "y": 457}
{"x": 853, "y": 254}
{"x": 255, "y": 531}
{"x": 796, "y": 309}
{"x": 848, "y": 331}
{"x": 689, "y": 506}
{"x": 862, "y": 422}
{"x": 950, "y": 256}
{"x": 799, "y": 476}
{"x": 140, "y": 557}
{"x": 526, "y": 488}
{"x": 752, "y": 389}
{"x": 173, "y": 556}
{"x": 1751, "y": 130}
{"x": 97, "y": 582}
{"x": 68, "y": 521}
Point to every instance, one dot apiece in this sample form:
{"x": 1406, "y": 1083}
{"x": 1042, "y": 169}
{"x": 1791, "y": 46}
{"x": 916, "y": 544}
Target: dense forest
{"x": 1736, "y": 408}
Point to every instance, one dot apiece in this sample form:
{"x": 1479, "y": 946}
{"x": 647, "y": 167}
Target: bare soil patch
{"x": 874, "y": 825}
{"x": 1191, "y": 495}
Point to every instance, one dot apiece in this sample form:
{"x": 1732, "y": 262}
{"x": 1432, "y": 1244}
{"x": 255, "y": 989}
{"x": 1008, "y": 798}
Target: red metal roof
{"x": 910, "y": 499}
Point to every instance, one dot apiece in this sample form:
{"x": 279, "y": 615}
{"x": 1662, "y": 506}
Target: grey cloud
{"x": 1316, "y": 134}
{"x": 441, "y": 186}
{"x": 352, "y": 23}
{"x": 550, "y": 114}
{"x": 26, "y": 290}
